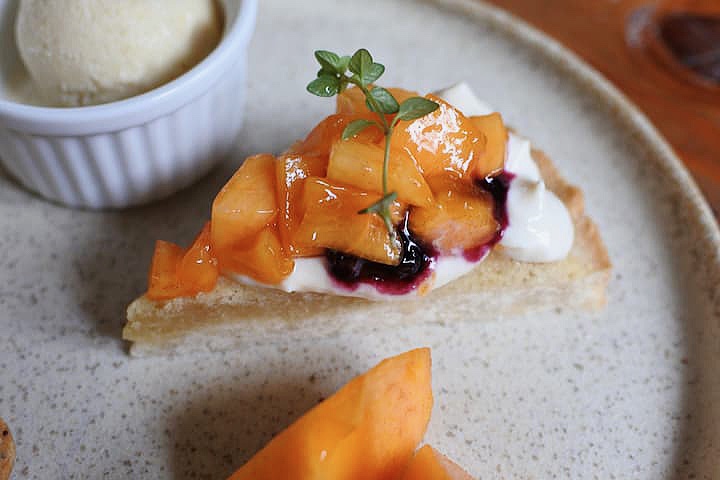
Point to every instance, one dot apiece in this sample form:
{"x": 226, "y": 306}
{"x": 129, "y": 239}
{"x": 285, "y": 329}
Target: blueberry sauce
{"x": 498, "y": 187}
{"x": 350, "y": 271}
{"x": 417, "y": 262}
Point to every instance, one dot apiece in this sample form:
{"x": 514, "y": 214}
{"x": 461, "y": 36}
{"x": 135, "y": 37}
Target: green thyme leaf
{"x": 384, "y": 100}
{"x": 333, "y": 78}
{"x": 324, "y": 71}
{"x": 343, "y": 64}
{"x": 415, "y": 107}
{"x": 356, "y": 127}
{"x": 360, "y": 63}
{"x": 382, "y": 205}
{"x": 329, "y": 61}
{"x": 372, "y": 73}
{"x": 324, "y": 86}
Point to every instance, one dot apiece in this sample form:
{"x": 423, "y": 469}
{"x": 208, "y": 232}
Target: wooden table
{"x": 685, "y": 111}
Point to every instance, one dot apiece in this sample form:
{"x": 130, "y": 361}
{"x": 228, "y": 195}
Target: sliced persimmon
{"x": 443, "y": 142}
{"x": 330, "y": 130}
{"x": 429, "y": 464}
{"x": 262, "y": 259}
{"x": 361, "y": 165}
{"x": 246, "y": 204}
{"x": 461, "y": 218}
{"x": 292, "y": 169}
{"x": 331, "y": 220}
{"x": 493, "y": 161}
{"x": 163, "y": 282}
{"x": 368, "y": 430}
{"x": 198, "y": 268}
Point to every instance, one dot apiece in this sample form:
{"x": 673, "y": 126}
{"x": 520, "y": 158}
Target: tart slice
{"x": 378, "y": 218}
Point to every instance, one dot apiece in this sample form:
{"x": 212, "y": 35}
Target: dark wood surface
{"x": 614, "y": 38}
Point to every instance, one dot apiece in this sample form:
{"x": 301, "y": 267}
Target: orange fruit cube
{"x": 292, "y": 169}
{"x": 262, "y": 259}
{"x": 246, "y": 204}
{"x": 175, "y": 272}
{"x": 493, "y": 127}
{"x": 361, "y": 165}
{"x": 367, "y": 430}
{"x": 442, "y": 142}
{"x": 352, "y": 100}
{"x": 163, "y": 282}
{"x": 332, "y": 220}
{"x": 198, "y": 269}
{"x": 329, "y": 131}
{"x": 461, "y": 218}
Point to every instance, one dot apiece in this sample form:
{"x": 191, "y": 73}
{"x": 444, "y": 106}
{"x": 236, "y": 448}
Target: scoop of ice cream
{"x": 85, "y": 52}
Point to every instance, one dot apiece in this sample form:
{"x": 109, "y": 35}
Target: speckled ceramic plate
{"x": 631, "y": 392}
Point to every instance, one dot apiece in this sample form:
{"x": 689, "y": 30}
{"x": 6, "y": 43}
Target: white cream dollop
{"x": 311, "y": 275}
{"x": 464, "y": 99}
{"x": 539, "y": 225}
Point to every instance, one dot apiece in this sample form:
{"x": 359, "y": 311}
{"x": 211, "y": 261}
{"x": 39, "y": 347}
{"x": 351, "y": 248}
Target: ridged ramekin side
{"x": 134, "y": 165}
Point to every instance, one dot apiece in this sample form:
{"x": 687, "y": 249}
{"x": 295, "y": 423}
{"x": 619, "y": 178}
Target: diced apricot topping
{"x": 429, "y": 464}
{"x": 368, "y": 430}
{"x": 175, "y": 272}
{"x": 493, "y": 127}
{"x": 246, "y": 204}
{"x": 163, "y": 282}
{"x": 262, "y": 259}
{"x": 309, "y": 199}
{"x": 444, "y": 142}
{"x": 292, "y": 170}
{"x": 361, "y": 165}
{"x": 332, "y": 220}
{"x": 461, "y": 217}
{"x": 198, "y": 269}
{"x": 330, "y": 130}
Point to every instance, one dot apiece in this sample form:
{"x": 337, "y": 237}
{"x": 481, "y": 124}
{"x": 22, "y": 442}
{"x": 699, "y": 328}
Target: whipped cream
{"x": 464, "y": 99}
{"x": 539, "y": 226}
{"x": 311, "y": 275}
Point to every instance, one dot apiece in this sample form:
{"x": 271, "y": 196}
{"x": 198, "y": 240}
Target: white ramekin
{"x": 139, "y": 149}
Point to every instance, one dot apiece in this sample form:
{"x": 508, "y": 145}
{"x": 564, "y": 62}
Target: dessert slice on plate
{"x": 396, "y": 209}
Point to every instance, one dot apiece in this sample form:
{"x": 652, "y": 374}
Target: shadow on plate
{"x": 220, "y": 431}
{"x": 99, "y": 260}
{"x": 117, "y": 255}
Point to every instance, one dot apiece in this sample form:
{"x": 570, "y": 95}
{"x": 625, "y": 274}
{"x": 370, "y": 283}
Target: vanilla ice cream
{"x": 85, "y": 52}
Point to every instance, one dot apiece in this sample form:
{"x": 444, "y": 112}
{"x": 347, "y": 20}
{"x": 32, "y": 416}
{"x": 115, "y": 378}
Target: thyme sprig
{"x": 335, "y": 74}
